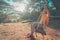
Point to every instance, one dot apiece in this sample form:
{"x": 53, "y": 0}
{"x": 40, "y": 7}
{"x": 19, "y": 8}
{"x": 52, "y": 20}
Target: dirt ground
{"x": 18, "y": 31}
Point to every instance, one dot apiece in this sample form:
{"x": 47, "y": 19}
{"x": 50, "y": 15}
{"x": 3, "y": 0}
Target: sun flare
{"x": 20, "y": 7}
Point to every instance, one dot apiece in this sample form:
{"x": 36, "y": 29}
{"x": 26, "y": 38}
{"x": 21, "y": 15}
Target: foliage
{"x": 30, "y": 13}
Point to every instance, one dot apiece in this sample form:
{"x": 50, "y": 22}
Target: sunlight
{"x": 17, "y": 6}
{"x": 20, "y": 7}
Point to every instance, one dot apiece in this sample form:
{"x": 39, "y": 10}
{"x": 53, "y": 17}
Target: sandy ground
{"x": 18, "y": 31}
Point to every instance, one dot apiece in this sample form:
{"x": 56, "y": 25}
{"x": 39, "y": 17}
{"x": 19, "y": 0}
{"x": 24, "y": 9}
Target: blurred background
{"x": 27, "y": 10}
